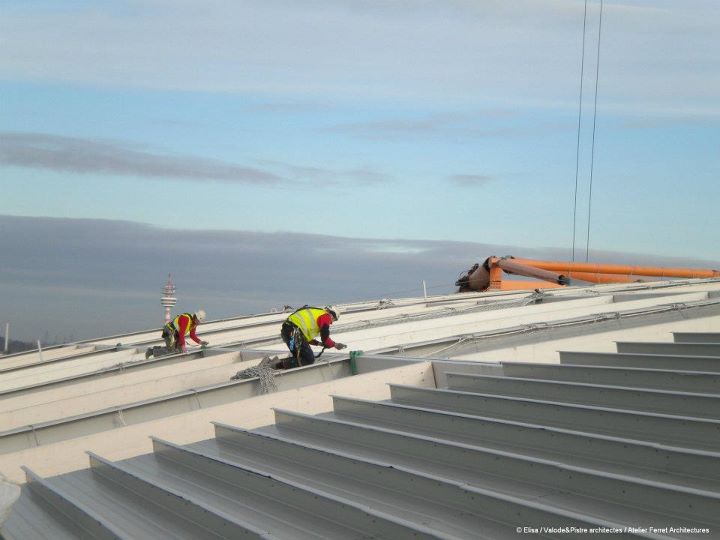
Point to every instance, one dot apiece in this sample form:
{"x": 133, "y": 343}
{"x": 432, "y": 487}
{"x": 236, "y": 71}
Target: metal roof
{"x": 619, "y": 430}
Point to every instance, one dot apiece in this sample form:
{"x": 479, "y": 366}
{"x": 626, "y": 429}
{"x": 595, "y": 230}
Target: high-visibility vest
{"x": 305, "y": 319}
{"x": 175, "y": 324}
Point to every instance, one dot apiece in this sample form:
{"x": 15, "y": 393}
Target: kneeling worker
{"x": 302, "y": 327}
{"x": 175, "y": 331}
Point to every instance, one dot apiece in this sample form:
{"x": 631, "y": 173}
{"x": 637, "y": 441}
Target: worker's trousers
{"x": 297, "y": 344}
{"x": 170, "y": 347}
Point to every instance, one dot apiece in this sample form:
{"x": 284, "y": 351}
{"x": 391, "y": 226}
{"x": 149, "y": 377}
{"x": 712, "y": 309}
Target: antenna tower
{"x": 168, "y": 299}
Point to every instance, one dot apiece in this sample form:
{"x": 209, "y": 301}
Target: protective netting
{"x": 263, "y": 371}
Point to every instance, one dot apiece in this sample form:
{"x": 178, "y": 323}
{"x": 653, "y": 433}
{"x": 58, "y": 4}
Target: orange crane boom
{"x": 654, "y": 271}
{"x": 489, "y": 274}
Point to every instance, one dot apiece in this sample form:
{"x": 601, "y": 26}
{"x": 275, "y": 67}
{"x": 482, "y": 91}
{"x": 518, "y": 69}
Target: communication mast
{"x": 168, "y": 299}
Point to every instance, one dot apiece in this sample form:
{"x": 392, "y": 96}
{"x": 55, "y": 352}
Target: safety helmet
{"x": 333, "y": 311}
{"x": 200, "y": 315}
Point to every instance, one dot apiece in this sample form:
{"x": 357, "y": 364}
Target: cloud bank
{"x": 91, "y": 278}
{"x": 92, "y": 156}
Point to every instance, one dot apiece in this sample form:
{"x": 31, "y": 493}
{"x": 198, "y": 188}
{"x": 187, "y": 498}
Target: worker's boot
{"x": 148, "y": 353}
{"x": 288, "y": 363}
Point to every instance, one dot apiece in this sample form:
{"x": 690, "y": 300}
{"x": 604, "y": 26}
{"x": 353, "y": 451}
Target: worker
{"x": 175, "y": 331}
{"x": 300, "y": 330}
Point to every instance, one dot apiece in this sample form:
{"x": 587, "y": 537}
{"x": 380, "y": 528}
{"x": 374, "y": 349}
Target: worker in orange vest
{"x": 175, "y": 331}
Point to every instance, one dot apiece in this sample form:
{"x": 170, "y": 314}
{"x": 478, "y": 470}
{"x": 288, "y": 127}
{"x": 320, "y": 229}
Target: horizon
{"x": 59, "y": 267}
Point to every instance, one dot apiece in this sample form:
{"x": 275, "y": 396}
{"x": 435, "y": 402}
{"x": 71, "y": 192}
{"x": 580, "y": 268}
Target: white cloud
{"x": 660, "y": 54}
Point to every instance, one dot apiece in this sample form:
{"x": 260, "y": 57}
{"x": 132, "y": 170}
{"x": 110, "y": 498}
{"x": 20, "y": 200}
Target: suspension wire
{"x": 592, "y": 148}
{"x": 577, "y": 151}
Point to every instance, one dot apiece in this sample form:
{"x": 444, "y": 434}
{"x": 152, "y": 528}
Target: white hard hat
{"x": 200, "y": 315}
{"x": 333, "y": 311}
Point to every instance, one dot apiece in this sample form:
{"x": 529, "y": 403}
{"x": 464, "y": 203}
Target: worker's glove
{"x": 340, "y": 346}
{"x": 315, "y": 342}
{"x": 204, "y": 344}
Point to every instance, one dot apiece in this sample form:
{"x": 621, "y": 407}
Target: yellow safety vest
{"x": 176, "y": 323}
{"x": 306, "y": 320}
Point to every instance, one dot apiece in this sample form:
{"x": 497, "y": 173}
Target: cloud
{"x": 89, "y": 278}
{"x": 470, "y": 180}
{"x": 94, "y": 156}
{"x": 284, "y": 107}
{"x": 457, "y": 50}
{"x": 668, "y": 121}
{"x": 306, "y": 173}
{"x": 463, "y": 126}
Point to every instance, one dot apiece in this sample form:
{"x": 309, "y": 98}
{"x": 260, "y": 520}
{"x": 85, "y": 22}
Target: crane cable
{"x": 579, "y": 124}
{"x": 592, "y": 150}
{"x": 577, "y": 150}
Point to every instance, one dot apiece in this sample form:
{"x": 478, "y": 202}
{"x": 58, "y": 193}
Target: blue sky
{"x": 435, "y": 120}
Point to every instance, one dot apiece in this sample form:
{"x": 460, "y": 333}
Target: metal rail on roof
{"x": 177, "y": 403}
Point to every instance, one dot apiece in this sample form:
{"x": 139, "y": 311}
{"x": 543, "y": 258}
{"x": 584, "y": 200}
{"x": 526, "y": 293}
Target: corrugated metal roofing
{"x": 627, "y": 439}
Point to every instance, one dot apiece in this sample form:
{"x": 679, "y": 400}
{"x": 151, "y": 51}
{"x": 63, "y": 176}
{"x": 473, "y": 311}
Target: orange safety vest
{"x": 175, "y": 323}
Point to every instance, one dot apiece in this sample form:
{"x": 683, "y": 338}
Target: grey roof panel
{"x": 133, "y": 513}
{"x": 696, "y": 337}
{"x": 447, "y": 506}
{"x": 35, "y": 517}
{"x": 678, "y": 349}
{"x": 683, "y": 431}
{"x": 622, "y": 499}
{"x": 90, "y": 523}
{"x": 682, "y": 467}
{"x": 666, "y": 379}
{"x": 253, "y": 495}
{"x": 641, "y": 360}
{"x": 612, "y": 397}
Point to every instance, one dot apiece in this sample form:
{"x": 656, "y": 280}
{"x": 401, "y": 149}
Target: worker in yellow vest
{"x": 302, "y": 327}
{"x": 175, "y": 331}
